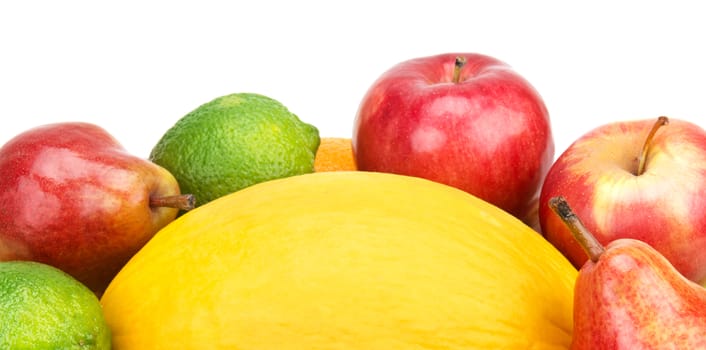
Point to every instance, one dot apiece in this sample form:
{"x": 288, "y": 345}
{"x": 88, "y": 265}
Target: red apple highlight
{"x": 639, "y": 179}
{"x": 463, "y": 119}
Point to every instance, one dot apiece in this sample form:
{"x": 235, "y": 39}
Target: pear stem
{"x": 586, "y": 239}
{"x": 648, "y": 141}
{"x": 458, "y": 64}
{"x": 182, "y": 201}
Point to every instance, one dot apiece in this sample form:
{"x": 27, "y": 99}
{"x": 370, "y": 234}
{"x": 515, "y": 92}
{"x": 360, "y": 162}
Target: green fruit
{"x": 41, "y": 307}
{"x": 233, "y": 142}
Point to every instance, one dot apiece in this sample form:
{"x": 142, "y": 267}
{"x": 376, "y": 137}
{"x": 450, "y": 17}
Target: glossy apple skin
{"x": 72, "y": 197}
{"x": 633, "y": 298}
{"x": 488, "y": 134}
{"x": 664, "y": 207}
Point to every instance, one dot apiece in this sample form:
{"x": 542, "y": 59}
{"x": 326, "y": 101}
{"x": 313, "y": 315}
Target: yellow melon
{"x": 344, "y": 260}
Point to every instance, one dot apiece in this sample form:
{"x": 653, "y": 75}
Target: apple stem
{"x": 458, "y": 64}
{"x": 182, "y": 201}
{"x": 645, "y": 147}
{"x": 586, "y": 239}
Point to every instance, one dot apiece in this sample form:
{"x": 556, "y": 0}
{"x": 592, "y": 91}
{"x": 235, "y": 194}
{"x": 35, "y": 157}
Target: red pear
{"x": 629, "y": 296}
{"x": 72, "y": 197}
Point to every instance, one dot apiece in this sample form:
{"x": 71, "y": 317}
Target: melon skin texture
{"x": 344, "y": 260}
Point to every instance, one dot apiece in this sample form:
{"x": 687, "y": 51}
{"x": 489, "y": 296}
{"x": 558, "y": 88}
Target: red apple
{"x": 462, "y": 119}
{"x": 635, "y": 179}
{"x": 72, "y": 197}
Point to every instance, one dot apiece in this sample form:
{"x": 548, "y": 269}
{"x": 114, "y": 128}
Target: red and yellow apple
{"x": 640, "y": 179}
{"x": 73, "y": 198}
{"x": 463, "y": 119}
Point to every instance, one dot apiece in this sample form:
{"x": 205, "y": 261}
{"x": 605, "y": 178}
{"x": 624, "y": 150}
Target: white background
{"x": 136, "y": 67}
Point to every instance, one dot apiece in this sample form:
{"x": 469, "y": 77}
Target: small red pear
{"x": 629, "y": 296}
{"x": 72, "y": 197}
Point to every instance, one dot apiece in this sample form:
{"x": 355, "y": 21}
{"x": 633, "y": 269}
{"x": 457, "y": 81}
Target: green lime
{"x": 41, "y": 307}
{"x": 233, "y": 142}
